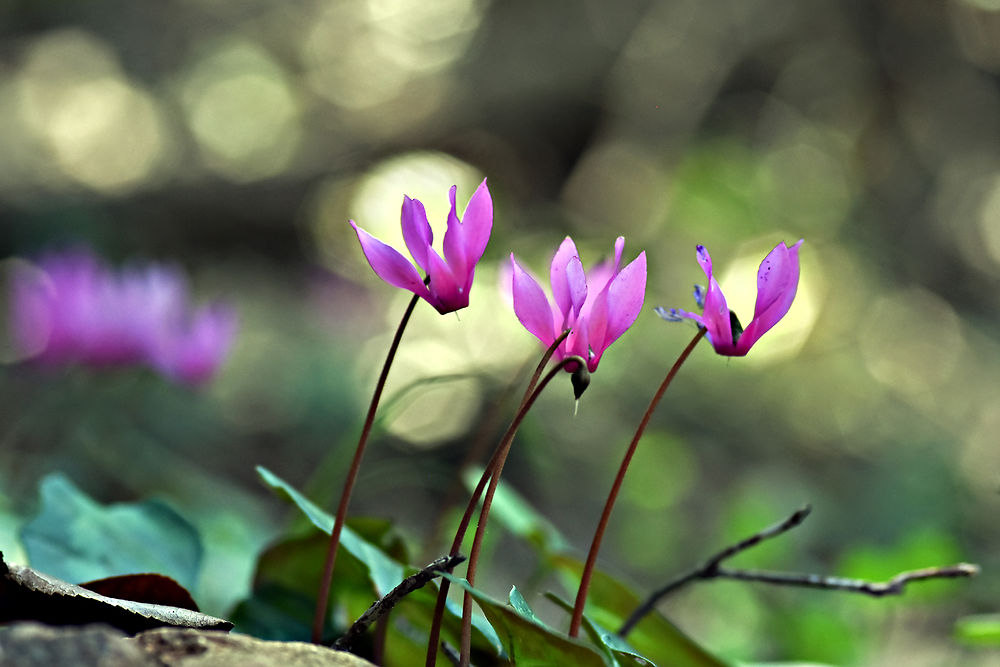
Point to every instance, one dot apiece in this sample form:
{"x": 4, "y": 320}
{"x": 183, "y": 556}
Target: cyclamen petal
{"x": 450, "y": 279}
{"x": 417, "y": 232}
{"x": 777, "y": 283}
{"x": 530, "y": 304}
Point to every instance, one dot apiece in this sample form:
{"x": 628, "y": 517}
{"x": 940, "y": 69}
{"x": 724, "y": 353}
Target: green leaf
{"x": 518, "y": 516}
{"x": 279, "y": 567}
{"x": 521, "y": 606}
{"x": 77, "y": 539}
{"x": 979, "y": 630}
{"x": 527, "y": 642}
{"x": 285, "y": 582}
{"x": 385, "y": 572}
{"x": 617, "y": 650}
{"x": 609, "y": 603}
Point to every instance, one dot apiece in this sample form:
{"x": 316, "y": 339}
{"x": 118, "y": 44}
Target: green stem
{"x": 352, "y": 474}
{"x": 477, "y": 542}
{"x": 595, "y": 545}
{"x": 434, "y": 637}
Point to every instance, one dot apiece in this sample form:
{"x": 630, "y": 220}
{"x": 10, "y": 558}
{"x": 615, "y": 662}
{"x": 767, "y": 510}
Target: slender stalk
{"x": 595, "y": 545}
{"x": 477, "y": 542}
{"x": 352, "y": 475}
{"x": 434, "y": 637}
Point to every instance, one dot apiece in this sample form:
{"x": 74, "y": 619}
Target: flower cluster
{"x": 71, "y": 308}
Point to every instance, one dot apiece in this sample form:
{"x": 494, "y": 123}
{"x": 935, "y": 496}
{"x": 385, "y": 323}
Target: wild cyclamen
{"x": 450, "y": 278}
{"x": 777, "y": 282}
{"x": 72, "y": 308}
{"x": 597, "y": 308}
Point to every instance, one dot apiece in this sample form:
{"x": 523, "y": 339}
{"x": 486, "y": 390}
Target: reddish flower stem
{"x": 434, "y": 637}
{"x": 352, "y": 474}
{"x": 477, "y": 542}
{"x": 595, "y": 545}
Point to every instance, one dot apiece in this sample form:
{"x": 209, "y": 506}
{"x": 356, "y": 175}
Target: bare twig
{"x": 711, "y": 569}
{"x": 381, "y": 607}
{"x": 877, "y": 589}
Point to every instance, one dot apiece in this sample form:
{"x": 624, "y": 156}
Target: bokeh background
{"x": 237, "y": 137}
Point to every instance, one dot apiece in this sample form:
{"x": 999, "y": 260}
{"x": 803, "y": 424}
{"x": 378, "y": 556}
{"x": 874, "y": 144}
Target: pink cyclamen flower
{"x": 449, "y": 279}
{"x": 777, "y": 281}
{"x": 597, "y": 307}
{"x": 71, "y": 308}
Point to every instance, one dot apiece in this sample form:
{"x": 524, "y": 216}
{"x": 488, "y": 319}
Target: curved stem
{"x": 595, "y": 545}
{"x": 352, "y": 475}
{"x": 434, "y": 637}
{"x": 477, "y": 542}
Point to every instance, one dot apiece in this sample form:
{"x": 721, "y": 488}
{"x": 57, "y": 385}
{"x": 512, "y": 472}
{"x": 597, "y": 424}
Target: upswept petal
{"x": 416, "y": 230}
{"x": 777, "y": 283}
{"x": 576, "y": 279}
{"x": 454, "y": 238}
{"x": 447, "y": 293}
{"x": 530, "y": 304}
{"x": 716, "y": 312}
{"x": 389, "y": 265}
{"x": 566, "y": 297}
{"x": 616, "y": 308}
{"x": 626, "y": 294}
{"x": 477, "y": 221}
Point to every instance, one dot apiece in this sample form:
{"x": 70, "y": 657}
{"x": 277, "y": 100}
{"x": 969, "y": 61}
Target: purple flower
{"x": 777, "y": 280}
{"x": 449, "y": 279}
{"x": 71, "y": 308}
{"x": 597, "y": 308}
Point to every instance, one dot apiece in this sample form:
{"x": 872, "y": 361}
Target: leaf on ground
{"x": 618, "y": 651}
{"x": 77, "y": 539}
{"x": 527, "y": 642}
{"x": 27, "y": 594}
{"x": 149, "y": 588}
{"x": 609, "y": 603}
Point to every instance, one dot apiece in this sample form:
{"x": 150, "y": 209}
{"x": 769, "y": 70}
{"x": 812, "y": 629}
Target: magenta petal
{"x": 454, "y": 239}
{"x": 576, "y": 280}
{"x": 777, "y": 283}
{"x": 477, "y": 222}
{"x": 626, "y": 294}
{"x": 562, "y": 292}
{"x": 530, "y": 304}
{"x": 447, "y": 292}
{"x": 389, "y": 265}
{"x": 619, "y": 249}
{"x": 616, "y": 308}
{"x": 704, "y": 259}
{"x": 416, "y": 230}
{"x": 717, "y": 320}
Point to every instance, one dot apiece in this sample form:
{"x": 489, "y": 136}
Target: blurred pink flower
{"x": 71, "y": 308}
{"x": 464, "y": 242}
{"x": 597, "y": 308}
{"x": 777, "y": 281}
